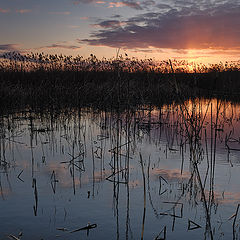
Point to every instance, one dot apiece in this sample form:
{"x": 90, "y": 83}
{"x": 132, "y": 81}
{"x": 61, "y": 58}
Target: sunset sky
{"x": 202, "y": 31}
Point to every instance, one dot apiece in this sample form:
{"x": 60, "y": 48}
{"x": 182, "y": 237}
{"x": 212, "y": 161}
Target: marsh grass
{"x": 56, "y": 81}
{"x": 123, "y": 94}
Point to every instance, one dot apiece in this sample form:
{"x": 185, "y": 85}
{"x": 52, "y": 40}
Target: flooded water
{"x": 151, "y": 173}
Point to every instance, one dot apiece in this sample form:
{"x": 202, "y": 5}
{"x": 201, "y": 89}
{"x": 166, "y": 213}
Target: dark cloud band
{"x": 216, "y": 27}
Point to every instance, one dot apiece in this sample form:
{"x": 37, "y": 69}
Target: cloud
{"x": 131, "y": 4}
{"x": 191, "y": 27}
{"x": 84, "y": 1}
{"x": 9, "y": 47}
{"x": 163, "y": 6}
{"x": 110, "y": 24}
{"x": 84, "y": 18}
{"x": 148, "y": 4}
{"x": 88, "y": 1}
{"x": 60, "y": 45}
{"x": 60, "y": 13}
{"x": 22, "y": 11}
{"x": 148, "y": 50}
{"x": 227, "y": 52}
{"x": 4, "y": 10}
{"x": 116, "y": 16}
{"x": 73, "y": 26}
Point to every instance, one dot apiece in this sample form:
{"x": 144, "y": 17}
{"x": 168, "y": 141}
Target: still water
{"x": 148, "y": 173}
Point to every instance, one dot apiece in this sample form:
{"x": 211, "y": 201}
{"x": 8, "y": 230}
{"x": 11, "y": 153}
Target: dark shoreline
{"x": 111, "y": 90}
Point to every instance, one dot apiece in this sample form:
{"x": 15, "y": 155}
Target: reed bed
{"x": 62, "y": 102}
{"x": 44, "y": 81}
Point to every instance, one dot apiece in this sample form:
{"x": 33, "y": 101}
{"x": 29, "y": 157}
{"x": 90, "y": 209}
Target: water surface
{"x": 151, "y": 173}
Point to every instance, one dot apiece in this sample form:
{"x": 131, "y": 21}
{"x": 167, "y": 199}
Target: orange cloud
{"x": 4, "y": 10}
{"x": 60, "y": 13}
{"x": 84, "y": 18}
{"x": 115, "y": 4}
{"x": 89, "y": 1}
{"x": 22, "y": 11}
{"x": 73, "y": 26}
{"x": 134, "y": 5}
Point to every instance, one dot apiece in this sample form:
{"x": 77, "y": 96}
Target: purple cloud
{"x": 60, "y": 13}
{"x": 9, "y": 47}
{"x": 116, "y": 16}
{"x": 217, "y": 27}
{"x": 109, "y": 24}
{"x": 60, "y": 45}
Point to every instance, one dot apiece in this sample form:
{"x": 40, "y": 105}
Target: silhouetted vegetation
{"x": 39, "y": 80}
{"x": 111, "y": 145}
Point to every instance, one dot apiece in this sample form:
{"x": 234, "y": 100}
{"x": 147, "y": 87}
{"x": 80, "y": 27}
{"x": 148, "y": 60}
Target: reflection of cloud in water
{"x": 24, "y": 164}
{"x": 170, "y": 174}
{"x": 4, "y": 192}
{"x": 135, "y": 183}
{"x": 64, "y": 177}
{"x": 100, "y": 176}
{"x": 175, "y": 175}
{"x": 225, "y": 197}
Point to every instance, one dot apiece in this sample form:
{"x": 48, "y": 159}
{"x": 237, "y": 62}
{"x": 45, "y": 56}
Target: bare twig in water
{"x": 164, "y": 231}
{"x": 88, "y": 227}
{"x": 192, "y": 225}
{"x": 18, "y": 176}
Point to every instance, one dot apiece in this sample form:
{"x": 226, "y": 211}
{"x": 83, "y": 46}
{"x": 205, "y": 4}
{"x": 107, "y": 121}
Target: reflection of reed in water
{"x": 96, "y": 146}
